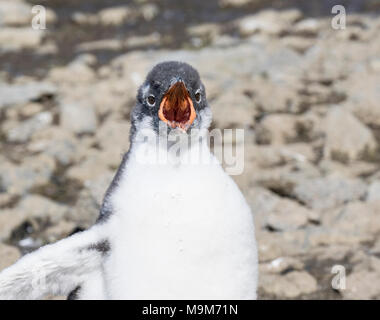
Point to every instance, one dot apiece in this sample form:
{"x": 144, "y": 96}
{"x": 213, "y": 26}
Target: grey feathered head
{"x": 172, "y": 93}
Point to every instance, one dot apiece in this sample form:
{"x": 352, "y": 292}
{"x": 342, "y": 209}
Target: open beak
{"x": 176, "y": 108}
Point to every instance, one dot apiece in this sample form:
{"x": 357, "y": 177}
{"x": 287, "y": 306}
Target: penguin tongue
{"x": 176, "y": 108}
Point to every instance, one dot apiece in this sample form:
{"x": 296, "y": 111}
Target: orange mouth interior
{"x": 176, "y": 108}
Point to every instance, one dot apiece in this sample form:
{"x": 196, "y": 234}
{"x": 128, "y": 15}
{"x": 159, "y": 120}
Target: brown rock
{"x": 276, "y": 129}
{"x": 114, "y": 15}
{"x": 35, "y": 209}
{"x": 281, "y": 265}
{"x": 272, "y": 245}
{"x": 234, "y": 110}
{"x": 287, "y": 215}
{"x": 290, "y": 285}
{"x": 33, "y": 172}
{"x": 268, "y": 21}
{"x": 328, "y": 192}
{"x": 8, "y": 255}
{"x": 346, "y": 137}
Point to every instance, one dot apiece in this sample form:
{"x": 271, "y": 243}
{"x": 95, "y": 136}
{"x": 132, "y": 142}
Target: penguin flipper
{"x": 55, "y": 269}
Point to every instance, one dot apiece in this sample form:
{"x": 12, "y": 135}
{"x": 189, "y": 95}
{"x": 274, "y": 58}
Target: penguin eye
{"x": 198, "y": 96}
{"x": 151, "y": 100}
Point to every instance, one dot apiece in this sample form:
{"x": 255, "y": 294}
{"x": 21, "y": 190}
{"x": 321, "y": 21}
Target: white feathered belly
{"x": 180, "y": 233}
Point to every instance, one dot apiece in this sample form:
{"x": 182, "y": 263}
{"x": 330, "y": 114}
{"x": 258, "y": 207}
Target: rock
{"x": 360, "y": 283}
{"x": 276, "y": 129}
{"x": 346, "y": 137}
{"x": 291, "y": 15}
{"x": 355, "y": 223}
{"x": 322, "y": 237}
{"x": 290, "y": 285}
{"x": 85, "y": 59}
{"x": 150, "y": 40}
{"x": 364, "y": 262}
{"x": 267, "y": 246}
{"x": 108, "y": 44}
{"x": 328, "y": 192}
{"x": 236, "y": 3}
{"x": 206, "y": 33}
{"x": 86, "y": 210}
{"x": 35, "y": 209}
{"x": 375, "y": 176}
{"x": 59, "y": 231}
{"x": 262, "y": 202}
{"x": 224, "y": 41}
{"x": 149, "y": 11}
{"x": 15, "y": 13}
{"x": 33, "y": 172}
{"x": 8, "y": 255}
{"x": 287, "y": 100}
{"x": 318, "y": 95}
{"x": 331, "y": 253}
{"x": 85, "y": 18}
{"x": 277, "y": 62}
{"x": 6, "y": 200}
{"x": 268, "y": 21}
{"x": 76, "y": 72}
{"x": 363, "y": 97}
{"x": 77, "y": 117}
{"x": 273, "y": 245}
{"x": 24, "y": 131}
{"x": 356, "y": 218}
{"x": 307, "y": 28}
{"x": 113, "y": 140}
{"x": 209, "y": 30}
{"x": 51, "y": 17}
{"x": 375, "y": 64}
{"x": 353, "y": 34}
{"x": 114, "y": 15}
{"x": 268, "y": 156}
{"x": 23, "y": 93}
{"x": 296, "y": 152}
{"x": 99, "y": 185}
{"x": 36, "y": 206}
{"x": 9, "y": 220}
{"x": 287, "y": 215}
{"x": 56, "y": 142}
{"x": 18, "y": 13}
{"x": 31, "y": 109}
{"x": 15, "y": 39}
{"x": 375, "y": 250}
{"x": 253, "y": 24}
{"x": 73, "y": 75}
{"x": 234, "y": 110}
{"x": 298, "y": 44}
{"x": 281, "y": 265}
{"x": 374, "y": 191}
{"x": 356, "y": 169}
{"x": 93, "y": 164}
{"x": 284, "y": 179}
{"x": 276, "y": 213}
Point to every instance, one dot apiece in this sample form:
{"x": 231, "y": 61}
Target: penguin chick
{"x": 173, "y": 224}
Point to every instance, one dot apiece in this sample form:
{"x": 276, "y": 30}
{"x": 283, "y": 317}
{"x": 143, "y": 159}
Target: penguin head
{"x": 173, "y": 95}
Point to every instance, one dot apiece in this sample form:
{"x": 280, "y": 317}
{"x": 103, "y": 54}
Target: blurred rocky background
{"x": 308, "y": 97}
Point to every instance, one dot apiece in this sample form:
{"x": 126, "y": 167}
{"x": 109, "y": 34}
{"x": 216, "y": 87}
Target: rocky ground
{"x": 307, "y": 96}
